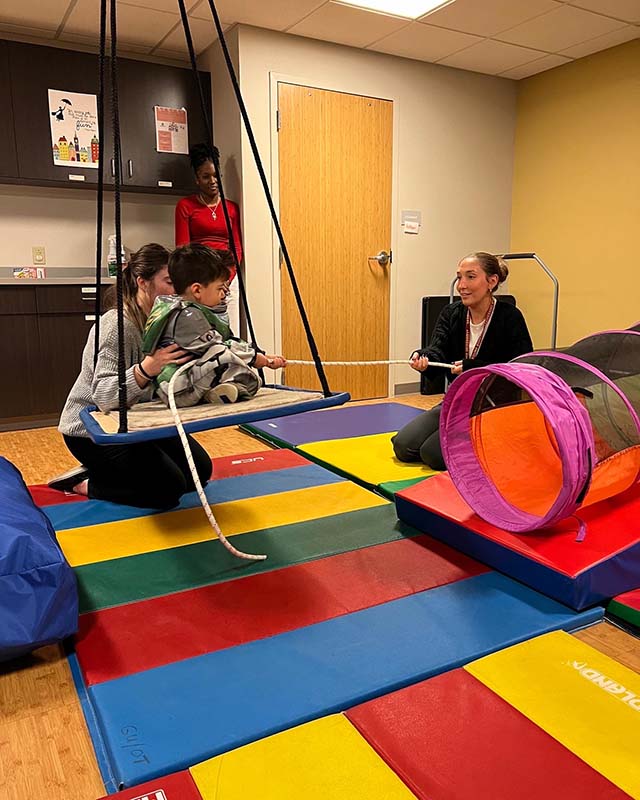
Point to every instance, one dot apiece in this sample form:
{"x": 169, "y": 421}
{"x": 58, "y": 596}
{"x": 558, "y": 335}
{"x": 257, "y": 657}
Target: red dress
{"x": 195, "y": 223}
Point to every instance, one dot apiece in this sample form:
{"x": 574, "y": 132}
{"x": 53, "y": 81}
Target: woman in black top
{"x": 472, "y": 332}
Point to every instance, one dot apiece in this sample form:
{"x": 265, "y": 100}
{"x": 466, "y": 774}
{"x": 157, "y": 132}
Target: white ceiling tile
{"x": 560, "y": 29}
{"x": 534, "y": 67}
{"x": 424, "y": 42}
{"x": 278, "y": 15}
{"x": 346, "y": 25}
{"x": 203, "y": 33}
{"x": 160, "y": 5}
{"x": 124, "y": 48}
{"x": 140, "y": 26}
{"x": 627, "y": 10}
{"x": 20, "y": 30}
{"x": 34, "y": 13}
{"x": 487, "y": 17}
{"x": 491, "y": 57}
{"x": 620, "y": 36}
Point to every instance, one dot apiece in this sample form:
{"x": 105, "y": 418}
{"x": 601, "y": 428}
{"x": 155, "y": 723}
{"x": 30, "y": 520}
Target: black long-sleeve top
{"x": 506, "y": 337}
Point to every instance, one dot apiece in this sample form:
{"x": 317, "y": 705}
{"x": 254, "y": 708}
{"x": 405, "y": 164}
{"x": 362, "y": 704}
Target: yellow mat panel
{"x": 131, "y": 537}
{"x": 584, "y": 699}
{"x": 368, "y": 458}
{"x": 323, "y": 760}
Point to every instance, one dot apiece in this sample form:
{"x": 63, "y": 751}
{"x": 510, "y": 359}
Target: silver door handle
{"x": 113, "y": 168}
{"x": 383, "y": 258}
{"x": 130, "y": 168}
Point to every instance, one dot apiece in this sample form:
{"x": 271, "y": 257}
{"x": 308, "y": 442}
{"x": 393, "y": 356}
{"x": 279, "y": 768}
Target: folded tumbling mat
{"x": 577, "y": 573}
{"x": 354, "y": 442}
{"x": 625, "y": 608}
{"x": 551, "y": 717}
{"x": 166, "y": 718}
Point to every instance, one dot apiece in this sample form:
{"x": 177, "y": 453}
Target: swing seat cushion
{"x": 153, "y": 420}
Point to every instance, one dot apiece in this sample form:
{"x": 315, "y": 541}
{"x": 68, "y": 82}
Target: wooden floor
{"x": 45, "y": 749}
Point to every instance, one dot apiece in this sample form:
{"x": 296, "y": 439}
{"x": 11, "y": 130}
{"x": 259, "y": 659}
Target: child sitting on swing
{"x": 224, "y": 368}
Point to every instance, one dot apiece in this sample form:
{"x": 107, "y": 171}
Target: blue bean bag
{"x": 38, "y": 593}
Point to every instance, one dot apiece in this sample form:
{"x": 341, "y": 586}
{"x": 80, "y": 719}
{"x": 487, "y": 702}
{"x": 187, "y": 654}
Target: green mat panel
{"x": 389, "y": 488}
{"x": 626, "y": 613}
{"x": 126, "y": 580}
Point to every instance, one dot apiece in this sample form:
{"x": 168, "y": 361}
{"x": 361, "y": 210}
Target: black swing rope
{"x": 99, "y": 210}
{"x": 265, "y": 185}
{"x": 216, "y": 166}
{"x": 117, "y": 156}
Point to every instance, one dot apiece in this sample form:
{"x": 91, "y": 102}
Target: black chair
{"x": 431, "y": 308}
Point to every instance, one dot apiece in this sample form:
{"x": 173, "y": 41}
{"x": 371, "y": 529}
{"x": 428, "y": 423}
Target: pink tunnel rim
{"x": 568, "y": 419}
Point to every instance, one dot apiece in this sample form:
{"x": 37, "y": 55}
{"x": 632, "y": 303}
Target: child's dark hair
{"x": 201, "y": 153}
{"x": 197, "y": 263}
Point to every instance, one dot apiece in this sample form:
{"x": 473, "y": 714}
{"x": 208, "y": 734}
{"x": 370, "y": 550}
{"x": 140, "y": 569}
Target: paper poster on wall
{"x": 172, "y": 133}
{"x": 74, "y": 129}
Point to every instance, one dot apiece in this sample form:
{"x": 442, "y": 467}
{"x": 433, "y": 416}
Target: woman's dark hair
{"x": 197, "y": 263}
{"x": 199, "y": 154}
{"x": 492, "y": 265}
{"x": 144, "y": 263}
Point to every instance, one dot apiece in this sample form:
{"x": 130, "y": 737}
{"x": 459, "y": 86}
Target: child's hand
{"x": 273, "y": 362}
{"x": 276, "y": 362}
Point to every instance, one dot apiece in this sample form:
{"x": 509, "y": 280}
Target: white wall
{"x": 453, "y": 160}
{"x": 64, "y": 221}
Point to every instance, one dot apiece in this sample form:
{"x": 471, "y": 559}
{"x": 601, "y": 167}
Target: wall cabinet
{"x": 33, "y": 70}
{"x": 44, "y": 330}
{"x": 8, "y": 155}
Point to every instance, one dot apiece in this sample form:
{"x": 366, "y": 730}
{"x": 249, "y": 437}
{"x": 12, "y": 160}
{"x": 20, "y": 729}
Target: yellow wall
{"x": 576, "y": 194}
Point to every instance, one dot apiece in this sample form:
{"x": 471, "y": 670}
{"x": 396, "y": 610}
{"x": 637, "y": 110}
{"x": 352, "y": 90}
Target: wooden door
{"x": 335, "y": 153}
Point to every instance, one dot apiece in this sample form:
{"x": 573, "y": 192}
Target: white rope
{"x": 363, "y": 363}
{"x": 196, "y": 478}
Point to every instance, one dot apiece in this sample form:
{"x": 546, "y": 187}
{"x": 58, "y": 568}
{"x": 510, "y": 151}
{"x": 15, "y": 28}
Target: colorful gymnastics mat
{"x": 552, "y": 560}
{"x": 354, "y": 441}
{"x": 185, "y": 653}
{"x": 625, "y": 609}
{"x": 550, "y": 717}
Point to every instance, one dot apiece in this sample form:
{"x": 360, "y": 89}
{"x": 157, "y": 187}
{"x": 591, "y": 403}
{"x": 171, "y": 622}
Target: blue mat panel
{"x": 341, "y": 423}
{"x": 225, "y": 490}
{"x": 171, "y": 717}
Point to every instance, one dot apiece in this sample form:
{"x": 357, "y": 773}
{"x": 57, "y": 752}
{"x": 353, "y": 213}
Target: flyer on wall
{"x": 74, "y": 129}
{"x": 172, "y": 132}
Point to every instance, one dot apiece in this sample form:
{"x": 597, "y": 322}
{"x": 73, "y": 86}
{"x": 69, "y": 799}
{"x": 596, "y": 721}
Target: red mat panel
{"x": 450, "y": 737}
{"x": 44, "y": 496}
{"x": 251, "y": 463}
{"x": 139, "y": 636}
{"x": 630, "y": 599}
{"x": 178, "y": 786}
{"x": 608, "y": 527}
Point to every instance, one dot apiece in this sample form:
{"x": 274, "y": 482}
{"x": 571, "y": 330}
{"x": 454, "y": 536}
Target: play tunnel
{"x": 530, "y": 442}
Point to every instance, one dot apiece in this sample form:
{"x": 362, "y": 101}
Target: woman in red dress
{"x": 200, "y": 218}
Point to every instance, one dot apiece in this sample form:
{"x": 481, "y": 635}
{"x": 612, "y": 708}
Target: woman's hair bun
{"x": 201, "y": 153}
{"x": 503, "y": 269}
